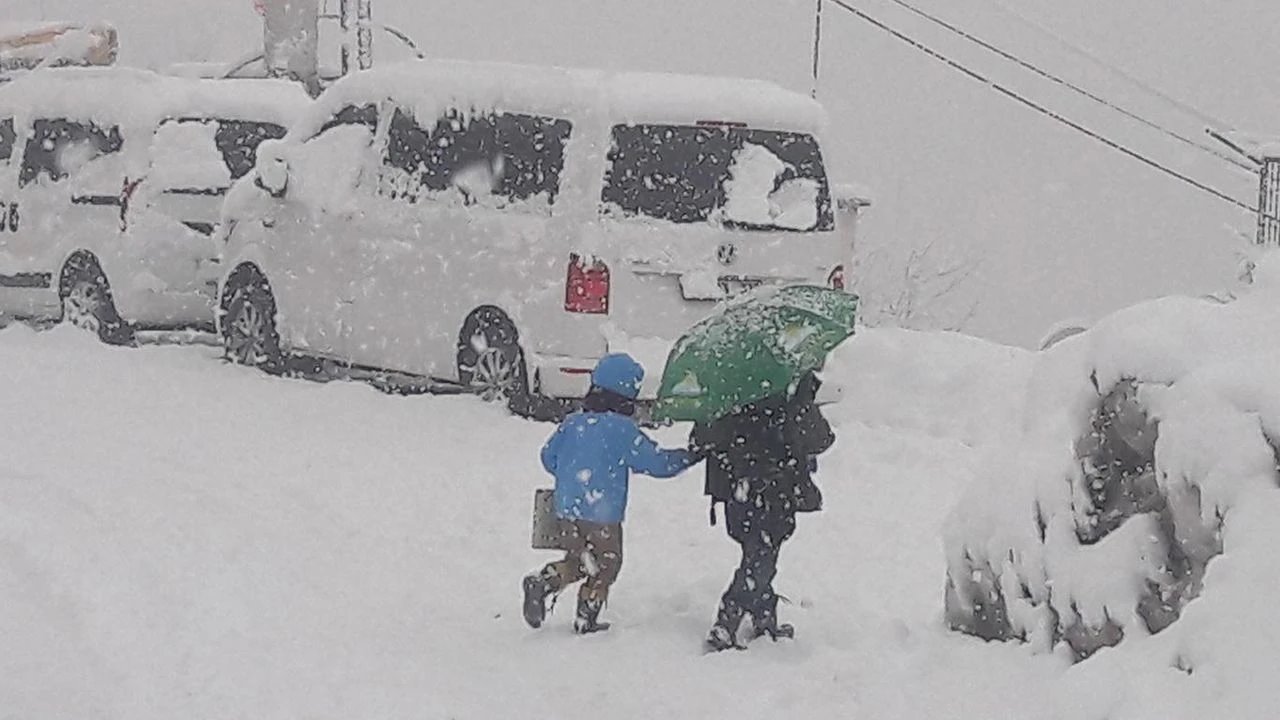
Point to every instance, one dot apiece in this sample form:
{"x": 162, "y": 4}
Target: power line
{"x": 817, "y": 47}
{"x": 1085, "y": 53}
{"x": 1044, "y": 110}
{"x": 1069, "y": 85}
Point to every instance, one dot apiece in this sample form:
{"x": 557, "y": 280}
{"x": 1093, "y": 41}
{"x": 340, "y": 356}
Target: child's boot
{"x": 765, "y": 623}
{"x": 587, "y": 620}
{"x": 537, "y": 588}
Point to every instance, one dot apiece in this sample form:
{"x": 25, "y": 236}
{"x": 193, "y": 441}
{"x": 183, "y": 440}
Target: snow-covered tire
{"x": 249, "y": 334}
{"x": 491, "y": 362}
{"x": 85, "y": 301}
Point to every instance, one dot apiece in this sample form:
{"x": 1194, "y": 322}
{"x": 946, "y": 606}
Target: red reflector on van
{"x": 836, "y": 280}
{"x": 586, "y": 288}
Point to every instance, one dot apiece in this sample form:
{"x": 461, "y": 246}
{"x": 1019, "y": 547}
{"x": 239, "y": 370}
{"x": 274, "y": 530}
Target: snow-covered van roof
{"x": 139, "y": 98}
{"x": 430, "y": 85}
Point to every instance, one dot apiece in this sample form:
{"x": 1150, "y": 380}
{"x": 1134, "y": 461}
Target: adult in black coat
{"x": 759, "y": 464}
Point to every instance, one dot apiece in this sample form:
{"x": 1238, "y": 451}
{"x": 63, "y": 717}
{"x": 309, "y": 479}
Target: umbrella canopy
{"x": 751, "y": 350}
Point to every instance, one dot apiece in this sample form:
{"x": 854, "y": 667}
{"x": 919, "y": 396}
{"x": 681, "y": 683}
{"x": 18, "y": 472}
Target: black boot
{"x": 724, "y": 633}
{"x": 774, "y": 630}
{"x": 586, "y": 621}
{"x": 537, "y": 588}
{"x": 765, "y": 622}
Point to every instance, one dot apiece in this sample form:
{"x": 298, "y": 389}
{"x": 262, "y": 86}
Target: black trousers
{"x": 760, "y": 526}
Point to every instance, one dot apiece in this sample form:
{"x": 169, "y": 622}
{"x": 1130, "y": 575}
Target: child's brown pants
{"x": 593, "y": 551}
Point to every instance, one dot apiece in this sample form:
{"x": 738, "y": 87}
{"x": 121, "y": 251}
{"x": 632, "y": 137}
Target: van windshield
{"x": 732, "y": 176}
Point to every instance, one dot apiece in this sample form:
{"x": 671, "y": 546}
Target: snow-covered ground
{"x": 184, "y": 538}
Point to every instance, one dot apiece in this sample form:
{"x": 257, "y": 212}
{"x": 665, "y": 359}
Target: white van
{"x": 502, "y": 227}
{"x": 111, "y": 185}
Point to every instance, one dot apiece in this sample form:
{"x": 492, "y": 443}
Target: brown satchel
{"x": 548, "y": 530}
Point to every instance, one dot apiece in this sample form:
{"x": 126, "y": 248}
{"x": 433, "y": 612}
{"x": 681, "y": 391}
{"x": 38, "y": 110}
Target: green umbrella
{"x": 751, "y": 350}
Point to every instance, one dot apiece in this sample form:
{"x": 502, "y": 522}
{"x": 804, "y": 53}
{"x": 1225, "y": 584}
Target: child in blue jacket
{"x": 592, "y": 455}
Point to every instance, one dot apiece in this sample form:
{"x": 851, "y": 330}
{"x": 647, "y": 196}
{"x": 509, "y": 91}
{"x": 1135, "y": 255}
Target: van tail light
{"x": 126, "y": 194}
{"x": 836, "y": 280}
{"x": 586, "y": 288}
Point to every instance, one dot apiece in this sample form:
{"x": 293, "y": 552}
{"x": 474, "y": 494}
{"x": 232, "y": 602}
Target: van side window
{"x": 463, "y": 153}
{"x": 533, "y": 148}
{"x": 59, "y": 148}
{"x": 366, "y": 115}
{"x": 7, "y": 138}
{"x": 238, "y": 141}
{"x": 408, "y": 150}
{"x": 504, "y": 158}
{"x": 667, "y": 172}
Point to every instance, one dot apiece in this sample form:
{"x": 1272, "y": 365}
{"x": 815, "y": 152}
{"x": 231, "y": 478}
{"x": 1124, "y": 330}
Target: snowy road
{"x": 184, "y": 538}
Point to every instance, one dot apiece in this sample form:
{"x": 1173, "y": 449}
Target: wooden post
{"x": 356, "y": 19}
{"x": 344, "y": 22}
{"x": 1269, "y": 201}
{"x": 364, "y": 33}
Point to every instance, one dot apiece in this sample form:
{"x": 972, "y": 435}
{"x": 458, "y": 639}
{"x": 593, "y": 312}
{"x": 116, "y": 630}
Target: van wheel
{"x": 491, "y": 362}
{"x": 249, "y": 335}
{"x": 85, "y": 302}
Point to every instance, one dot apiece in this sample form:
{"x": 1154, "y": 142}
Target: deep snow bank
{"x": 1148, "y": 449}
{"x": 944, "y": 385}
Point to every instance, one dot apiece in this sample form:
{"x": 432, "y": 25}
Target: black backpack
{"x": 764, "y": 440}
{"x": 751, "y": 438}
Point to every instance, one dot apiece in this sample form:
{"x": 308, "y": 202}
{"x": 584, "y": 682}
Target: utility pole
{"x": 291, "y": 35}
{"x": 817, "y": 47}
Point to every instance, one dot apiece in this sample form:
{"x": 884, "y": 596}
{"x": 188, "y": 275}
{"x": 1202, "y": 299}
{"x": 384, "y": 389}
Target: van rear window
{"x": 737, "y": 177}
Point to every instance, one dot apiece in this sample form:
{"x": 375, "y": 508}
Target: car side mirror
{"x": 273, "y": 177}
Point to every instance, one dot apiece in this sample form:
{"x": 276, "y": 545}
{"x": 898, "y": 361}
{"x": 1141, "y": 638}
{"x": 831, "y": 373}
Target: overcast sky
{"x": 1064, "y": 227}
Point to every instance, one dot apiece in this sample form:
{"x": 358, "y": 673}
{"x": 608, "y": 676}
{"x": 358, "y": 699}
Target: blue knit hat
{"x": 618, "y": 373}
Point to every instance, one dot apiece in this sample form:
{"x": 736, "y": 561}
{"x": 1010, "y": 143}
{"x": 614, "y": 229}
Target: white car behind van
{"x": 502, "y": 227}
{"x": 111, "y": 185}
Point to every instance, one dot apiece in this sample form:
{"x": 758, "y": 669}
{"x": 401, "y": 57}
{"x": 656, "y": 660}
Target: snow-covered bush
{"x": 1144, "y": 442}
